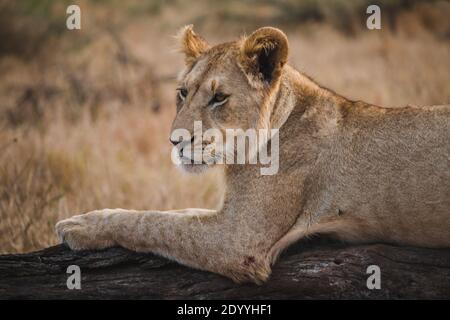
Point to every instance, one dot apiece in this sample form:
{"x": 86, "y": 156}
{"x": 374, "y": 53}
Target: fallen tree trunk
{"x": 317, "y": 271}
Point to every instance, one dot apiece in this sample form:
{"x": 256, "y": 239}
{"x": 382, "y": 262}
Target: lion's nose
{"x": 174, "y": 142}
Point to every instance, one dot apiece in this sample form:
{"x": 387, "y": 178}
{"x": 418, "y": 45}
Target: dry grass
{"x": 86, "y": 126}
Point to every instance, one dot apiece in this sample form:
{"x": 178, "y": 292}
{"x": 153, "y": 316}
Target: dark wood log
{"x": 306, "y": 271}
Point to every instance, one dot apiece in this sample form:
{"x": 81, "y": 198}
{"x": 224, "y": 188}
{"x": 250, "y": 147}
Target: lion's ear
{"x": 264, "y": 53}
{"x": 192, "y": 45}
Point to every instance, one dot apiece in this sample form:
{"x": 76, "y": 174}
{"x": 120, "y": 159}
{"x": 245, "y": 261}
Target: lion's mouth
{"x": 189, "y": 161}
{"x": 196, "y": 155}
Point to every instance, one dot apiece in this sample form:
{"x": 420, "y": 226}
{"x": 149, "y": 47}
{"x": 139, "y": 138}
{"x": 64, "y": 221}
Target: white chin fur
{"x": 193, "y": 168}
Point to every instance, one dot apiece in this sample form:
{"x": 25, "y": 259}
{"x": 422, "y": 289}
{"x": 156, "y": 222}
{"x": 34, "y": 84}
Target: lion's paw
{"x": 83, "y": 232}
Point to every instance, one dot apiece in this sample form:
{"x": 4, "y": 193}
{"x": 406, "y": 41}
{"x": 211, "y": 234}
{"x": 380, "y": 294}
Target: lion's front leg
{"x": 199, "y": 238}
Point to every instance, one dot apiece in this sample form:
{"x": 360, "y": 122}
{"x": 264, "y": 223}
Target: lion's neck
{"x": 283, "y": 102}
{"x": 297, "y": 92}
{"x": 296, "y": 96}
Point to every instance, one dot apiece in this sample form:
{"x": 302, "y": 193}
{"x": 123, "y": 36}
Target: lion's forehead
{"x": 210, "y": 71}
{"x": 196, "y": 73}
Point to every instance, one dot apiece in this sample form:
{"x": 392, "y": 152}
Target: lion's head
{"x": 227, "y": 86}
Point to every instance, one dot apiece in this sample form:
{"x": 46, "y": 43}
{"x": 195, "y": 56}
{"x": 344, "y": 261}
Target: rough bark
{"x": 307, "y": 271}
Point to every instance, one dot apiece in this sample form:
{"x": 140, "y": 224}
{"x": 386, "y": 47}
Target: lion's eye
{"x": 219, "y": 99}
{"x": 182, "y": 93}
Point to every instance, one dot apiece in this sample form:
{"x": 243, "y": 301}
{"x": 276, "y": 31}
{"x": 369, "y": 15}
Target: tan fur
{"x": 360, "y": 172}
{"x": 193, "y": 45}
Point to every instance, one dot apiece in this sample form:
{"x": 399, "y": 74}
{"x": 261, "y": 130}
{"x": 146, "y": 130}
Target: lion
{"x": 359, "y": 172}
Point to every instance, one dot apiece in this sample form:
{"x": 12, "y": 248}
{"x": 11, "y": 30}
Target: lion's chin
{"x": 194, "y": 168}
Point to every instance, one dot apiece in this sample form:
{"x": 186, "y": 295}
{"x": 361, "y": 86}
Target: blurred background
{"x": 85, "y": 114}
